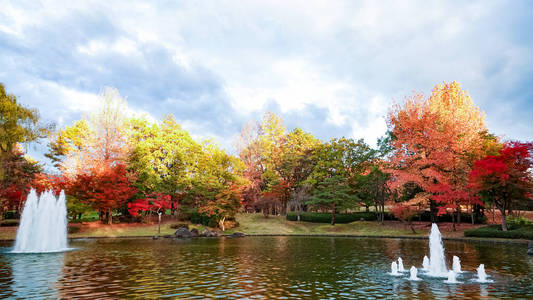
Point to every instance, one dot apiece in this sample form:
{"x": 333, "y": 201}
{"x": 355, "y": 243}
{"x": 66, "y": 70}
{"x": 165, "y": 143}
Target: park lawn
{"x": 258, "y": 224}
{"x": 96, "y": 229}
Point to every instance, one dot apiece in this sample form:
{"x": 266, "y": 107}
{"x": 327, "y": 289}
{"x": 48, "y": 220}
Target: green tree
{"x": 162, "y": 156}
{"x": 337, "y": 164}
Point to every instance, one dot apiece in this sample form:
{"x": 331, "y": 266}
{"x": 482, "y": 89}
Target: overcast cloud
{"x": 330, "y": 67}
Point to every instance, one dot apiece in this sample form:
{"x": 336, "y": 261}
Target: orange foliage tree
{"x": 435, "y": 142}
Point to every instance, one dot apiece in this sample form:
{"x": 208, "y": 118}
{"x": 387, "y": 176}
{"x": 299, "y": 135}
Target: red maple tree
{"x": 105, "y": 188}
{"x": 506, "y": 178}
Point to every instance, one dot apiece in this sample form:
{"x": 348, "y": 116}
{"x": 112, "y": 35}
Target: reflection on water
{"x": 32, "y": 275}
{"x": 266, "y": 267}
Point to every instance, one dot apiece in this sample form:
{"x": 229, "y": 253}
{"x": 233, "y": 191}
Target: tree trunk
{"x": 222, "y": 223}
{"x": 453, "y": 222}
{"x": 110, "y": 217}
{"x": 459, "y": 215}
{"x": 333, "y": 214}
{"x": 411, "y": 226}
{"x": 504, "y": 220}
{"x": 472, "y": 213}
{"x": 382, "y": 214}
{"x": 433, "y": 211}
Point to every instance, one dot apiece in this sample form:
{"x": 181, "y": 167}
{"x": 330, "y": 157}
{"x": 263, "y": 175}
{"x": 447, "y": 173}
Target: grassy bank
{"x": 258, "y": 224}
{"x": 495, "y": 231}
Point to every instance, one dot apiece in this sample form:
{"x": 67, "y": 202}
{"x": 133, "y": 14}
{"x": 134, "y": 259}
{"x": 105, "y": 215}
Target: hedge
{"x": 73, "y": 229}
{"x": 515, "y": 232}
{"x": 339, "y": 218}
{"x": 9, "y": 223}
{"x": 198, "y": 218}
{"x": 465, "y": 218}
{"x": 368, "y": 216}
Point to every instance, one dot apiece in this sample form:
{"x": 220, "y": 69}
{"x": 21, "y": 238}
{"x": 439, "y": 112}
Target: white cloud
{"x": 347, "y": 60}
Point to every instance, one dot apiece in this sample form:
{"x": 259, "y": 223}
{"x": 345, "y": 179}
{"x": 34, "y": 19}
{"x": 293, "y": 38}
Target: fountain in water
{"x": 394, "y": 269}
{"x": 425, "y": 263}
{"x": 456, "y": 264}
{"x": 451, "y": 277}
{"x": 437, "y": 265}
{"x": 413, "y": 274}
{"x": 43, "y": 225}
{"x": 481, "y": 275}
{"x": 400, "y": 265}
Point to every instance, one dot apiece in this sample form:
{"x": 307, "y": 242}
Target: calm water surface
{"x": 258, "y": 267}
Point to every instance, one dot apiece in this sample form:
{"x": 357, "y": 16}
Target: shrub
{"x": 518, "y": 232}
{"x": 179, "y": 225}
{"x": 198, "y": 218}
{"x": 73, "y": 229}
{"x": 340, "y": 218}
{"x": 465, "y": 218}
{"x": 9, "y": 223}
{"x": 516, "y": 222}
{"x": 11, "y": 214}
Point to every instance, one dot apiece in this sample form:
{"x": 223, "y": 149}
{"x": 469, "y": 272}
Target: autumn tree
{"x": 99, "y": 140}
{"x": 94, "y": 149}
{"x": 277, "y": 162}
{"x": 505, "y": 178}
{"x": 225, "y": 204}
{"x": 18, "y": 125}
{"x": 249, "y": 148}
{"x": 104, "y": 189}
{"x": 436, "y": 140}
{"x": 19, "y": 172}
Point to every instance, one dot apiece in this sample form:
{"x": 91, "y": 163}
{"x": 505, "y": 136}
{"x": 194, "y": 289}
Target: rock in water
{"x": 183, "y": 233}
{"x": 530, "y": 248}
{"x": 194, "y": 232}
{"x": 237, "y": 234}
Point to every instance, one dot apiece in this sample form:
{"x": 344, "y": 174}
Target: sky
{"x": 332, "y": 68}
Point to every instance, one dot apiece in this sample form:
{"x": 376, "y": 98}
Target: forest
{"x": 437, "y": 157}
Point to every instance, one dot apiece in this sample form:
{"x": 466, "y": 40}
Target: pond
{"x": 258, "y": 267}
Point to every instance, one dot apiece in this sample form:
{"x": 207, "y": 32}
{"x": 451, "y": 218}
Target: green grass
{"x": 258, "y": 224}
{"x": 495, "y": 231}
{"x": 125, "y": 230}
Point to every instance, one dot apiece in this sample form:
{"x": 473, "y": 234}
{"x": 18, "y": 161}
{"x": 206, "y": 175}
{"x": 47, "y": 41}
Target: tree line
{"x": 436, "y": 156}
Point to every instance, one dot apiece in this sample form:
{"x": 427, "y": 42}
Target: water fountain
{"x": 425, "y": 263}
{"x": 413, "y": 274}
{"x": 437, "y": 265}
{"x": 43, "y": 225}
{"x": 394, "y": 269}
{"x": 456, "y": 267}
{"x": 451, "y": 277}
{"x": 400, "y": 265}
{"x": 481, "y": 275}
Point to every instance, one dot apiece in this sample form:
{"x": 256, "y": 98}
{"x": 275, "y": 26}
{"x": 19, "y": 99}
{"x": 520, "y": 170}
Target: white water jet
{"x": 394, "y": 269}
{"x": 413, "y": 274}
{"x": 481, "y": 275}
{"x": 400, "y": 265}
{"x": 437, "y": 264}
{"x": 451, "y": 277}
{"x": 425, "y": 263}
{"x": 43, "y": 225}
{"x": 456, "y": 264}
